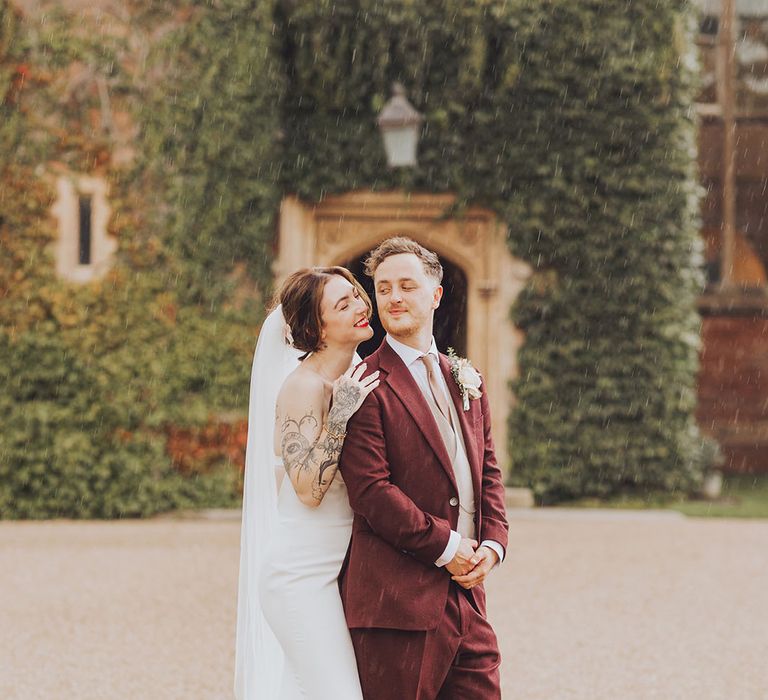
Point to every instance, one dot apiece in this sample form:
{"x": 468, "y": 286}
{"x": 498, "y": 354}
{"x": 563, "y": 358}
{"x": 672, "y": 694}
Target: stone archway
{"x": 341, "y": 229}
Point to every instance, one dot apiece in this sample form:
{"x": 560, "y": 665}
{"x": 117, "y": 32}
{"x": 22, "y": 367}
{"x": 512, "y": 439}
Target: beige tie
{"x": 430, "y": 362}
{"x": 440, "y": 401}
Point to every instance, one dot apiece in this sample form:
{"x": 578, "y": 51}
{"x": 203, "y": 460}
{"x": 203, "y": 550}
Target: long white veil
{"x": 258, "y": 656}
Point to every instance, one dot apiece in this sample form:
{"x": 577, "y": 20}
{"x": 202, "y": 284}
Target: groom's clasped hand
{"x": 471, "y": 564}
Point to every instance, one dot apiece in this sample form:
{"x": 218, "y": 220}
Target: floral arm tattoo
{"x": 311, "y": 460}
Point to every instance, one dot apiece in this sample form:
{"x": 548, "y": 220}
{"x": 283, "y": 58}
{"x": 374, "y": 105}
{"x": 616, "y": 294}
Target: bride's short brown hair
{"x": 301, "y": 296}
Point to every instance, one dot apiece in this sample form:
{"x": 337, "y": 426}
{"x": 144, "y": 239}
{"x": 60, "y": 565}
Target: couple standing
{"x": 361, "y": 574}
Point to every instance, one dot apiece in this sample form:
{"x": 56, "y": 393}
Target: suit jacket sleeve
{"x": 391, "y": 514}
{"x": 494, "y": 515}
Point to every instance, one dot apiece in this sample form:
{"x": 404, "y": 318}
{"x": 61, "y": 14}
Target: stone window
{"x": 84, "y": 250}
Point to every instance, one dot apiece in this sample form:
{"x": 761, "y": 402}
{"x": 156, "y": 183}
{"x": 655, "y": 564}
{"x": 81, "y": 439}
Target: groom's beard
{"x": 403, "y": 326}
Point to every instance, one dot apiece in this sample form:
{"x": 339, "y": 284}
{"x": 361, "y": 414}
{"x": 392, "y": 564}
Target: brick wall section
{"x": 733, "y": 388}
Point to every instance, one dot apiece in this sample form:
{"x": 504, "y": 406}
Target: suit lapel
{"x": 467, "y": 428}
{"x": 405, "y": 388}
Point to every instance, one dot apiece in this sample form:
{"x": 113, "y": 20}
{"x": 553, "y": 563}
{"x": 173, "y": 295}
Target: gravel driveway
{"x": 589, "y": 604}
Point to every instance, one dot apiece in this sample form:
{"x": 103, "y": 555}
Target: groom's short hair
{"x": 403, "y": 244}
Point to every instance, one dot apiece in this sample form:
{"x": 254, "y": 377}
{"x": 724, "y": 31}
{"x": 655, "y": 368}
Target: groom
{"x": 421, "y": 473}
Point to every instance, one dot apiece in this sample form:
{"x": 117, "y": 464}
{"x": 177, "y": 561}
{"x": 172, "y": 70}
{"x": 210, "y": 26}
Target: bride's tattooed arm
{"x": 310, "y": 455}
{"x": 310, "y": 447}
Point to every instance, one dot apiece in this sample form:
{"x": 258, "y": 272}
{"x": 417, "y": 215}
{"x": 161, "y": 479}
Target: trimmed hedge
{"x": 607, "y": 391}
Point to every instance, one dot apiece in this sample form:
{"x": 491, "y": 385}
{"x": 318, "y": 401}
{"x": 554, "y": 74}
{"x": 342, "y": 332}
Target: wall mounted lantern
{"x": 400, "y": 126}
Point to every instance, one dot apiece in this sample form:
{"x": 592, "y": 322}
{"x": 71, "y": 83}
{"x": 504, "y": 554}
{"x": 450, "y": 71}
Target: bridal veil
{"x": 258, "y": 657}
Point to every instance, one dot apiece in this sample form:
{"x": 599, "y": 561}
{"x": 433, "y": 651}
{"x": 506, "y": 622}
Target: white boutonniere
{"x": 466, "y": 376}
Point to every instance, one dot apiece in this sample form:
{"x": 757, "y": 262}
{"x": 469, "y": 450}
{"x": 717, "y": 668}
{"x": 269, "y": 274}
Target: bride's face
{"x": 344, "y": 313}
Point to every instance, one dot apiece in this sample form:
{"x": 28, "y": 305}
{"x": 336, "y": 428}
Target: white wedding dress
{"x": 292, "y": 638}
{"x": 300, "y": 599}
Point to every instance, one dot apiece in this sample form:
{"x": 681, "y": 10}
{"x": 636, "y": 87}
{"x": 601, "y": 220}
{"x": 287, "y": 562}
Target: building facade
{"x": 482, "y": 277}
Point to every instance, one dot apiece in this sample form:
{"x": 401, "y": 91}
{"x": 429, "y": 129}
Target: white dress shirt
{"x": 410, "y": 357}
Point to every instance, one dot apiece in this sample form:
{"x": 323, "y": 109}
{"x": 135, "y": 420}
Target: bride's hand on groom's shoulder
{"x": 350, "y": 390}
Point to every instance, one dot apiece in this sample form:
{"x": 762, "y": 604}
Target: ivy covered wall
{"x": 580, "y": 140}
{"x": 574, "y": 122}
{"x": 98, "y": 378}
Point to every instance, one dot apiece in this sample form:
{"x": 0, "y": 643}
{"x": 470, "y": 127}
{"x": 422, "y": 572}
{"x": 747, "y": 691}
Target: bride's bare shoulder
{"x": 301, "y": 386}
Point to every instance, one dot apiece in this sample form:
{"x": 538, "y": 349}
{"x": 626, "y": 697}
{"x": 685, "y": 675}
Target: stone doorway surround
{"x": 343, "y": 227}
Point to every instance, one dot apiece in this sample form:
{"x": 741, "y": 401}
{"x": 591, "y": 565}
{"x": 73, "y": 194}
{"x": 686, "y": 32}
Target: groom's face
{"x": 406, "y": 295}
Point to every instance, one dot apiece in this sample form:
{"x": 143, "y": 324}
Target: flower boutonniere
{"x": 466, "y": 376}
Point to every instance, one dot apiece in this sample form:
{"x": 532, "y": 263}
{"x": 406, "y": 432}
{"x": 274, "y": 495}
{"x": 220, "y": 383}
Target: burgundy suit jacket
{"x": 400, "y": 482}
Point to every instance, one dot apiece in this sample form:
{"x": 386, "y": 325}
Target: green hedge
{"x": 608, "y": 372}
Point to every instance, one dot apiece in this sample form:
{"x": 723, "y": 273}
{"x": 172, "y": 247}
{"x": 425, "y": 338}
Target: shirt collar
{"x": 408, "y": 354}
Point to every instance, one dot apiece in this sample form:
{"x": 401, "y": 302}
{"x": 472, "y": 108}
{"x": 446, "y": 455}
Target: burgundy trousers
{"x": 459, "y": 660}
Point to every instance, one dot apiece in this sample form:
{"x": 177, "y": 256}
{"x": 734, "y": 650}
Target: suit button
{"x": 454, "y": 501}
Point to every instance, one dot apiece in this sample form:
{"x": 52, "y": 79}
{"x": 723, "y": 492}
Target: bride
{"x": 292, "y": 638}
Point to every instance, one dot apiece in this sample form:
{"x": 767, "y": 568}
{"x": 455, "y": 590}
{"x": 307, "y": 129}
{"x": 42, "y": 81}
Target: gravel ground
{"x": 589, "y": 604}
